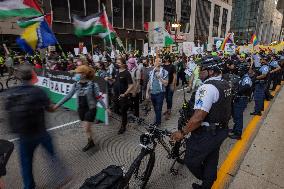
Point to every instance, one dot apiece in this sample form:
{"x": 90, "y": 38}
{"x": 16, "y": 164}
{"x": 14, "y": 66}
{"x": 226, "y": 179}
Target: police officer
{"x": 240, "y": 101}
{"x": 208, "y": 125}
{"x": 259, "y": 89}
{"x": 275, "y": 72}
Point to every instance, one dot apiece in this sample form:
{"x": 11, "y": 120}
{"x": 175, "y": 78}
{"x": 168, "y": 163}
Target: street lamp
{"x": 176, "y": 25}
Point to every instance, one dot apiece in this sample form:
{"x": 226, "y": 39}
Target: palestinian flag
{"x": 25, "y": 22}
{"x": 19, "y": 8}
{"x": 94, "y": 25}
{"x": 168, "y": 39}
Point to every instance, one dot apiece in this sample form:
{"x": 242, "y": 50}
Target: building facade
{"x": 280, "y": 7}
{"x": 256, "y": 16}
{"x": 200, "y": 20}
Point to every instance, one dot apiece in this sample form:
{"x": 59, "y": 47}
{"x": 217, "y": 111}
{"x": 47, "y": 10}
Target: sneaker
{"x": 89, "y": 145}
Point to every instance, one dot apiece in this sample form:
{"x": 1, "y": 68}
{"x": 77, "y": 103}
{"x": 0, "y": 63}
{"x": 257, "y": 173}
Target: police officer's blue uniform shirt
{"x": 206, "y": 95}
{"x": 264, "y": 69}
{"x": 274, "y": 64}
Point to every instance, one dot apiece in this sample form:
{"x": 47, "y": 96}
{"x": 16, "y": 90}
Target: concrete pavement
{"x": 263, "y": 165}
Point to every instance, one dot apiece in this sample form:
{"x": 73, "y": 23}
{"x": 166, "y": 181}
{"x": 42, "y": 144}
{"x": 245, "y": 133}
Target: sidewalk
{"x": 263, "y": 165}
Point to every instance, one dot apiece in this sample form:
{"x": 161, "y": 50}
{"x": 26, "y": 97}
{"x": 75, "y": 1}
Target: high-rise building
{"x": 200, "y": 20}
{"x": 255, "y": 16}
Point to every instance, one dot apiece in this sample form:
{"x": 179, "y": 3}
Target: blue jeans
{"x": 157, "y": 101}
{"x": 169, "y": 97}
{"x": 27, "y": 148}
{"x": 239, "y": 106}
{"x": 259, "y": 95}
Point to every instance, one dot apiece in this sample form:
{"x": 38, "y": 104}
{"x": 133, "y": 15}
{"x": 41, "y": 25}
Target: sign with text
{"x": 188, "y": 48}
{"x": 156, "y": 34}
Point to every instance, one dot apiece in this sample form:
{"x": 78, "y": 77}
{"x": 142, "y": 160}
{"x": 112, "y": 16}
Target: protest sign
{"x": 188, "y": 48}
{"x": 156, "y": 34}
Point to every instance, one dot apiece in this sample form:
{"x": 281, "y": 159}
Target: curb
{"x": 231, "y": 164}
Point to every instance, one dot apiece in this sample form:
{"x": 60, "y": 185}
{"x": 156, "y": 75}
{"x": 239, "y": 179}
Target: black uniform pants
{"x": 121, "y": 106}
{"x": 202, "y": 154}
{"x": 135, "y": 104}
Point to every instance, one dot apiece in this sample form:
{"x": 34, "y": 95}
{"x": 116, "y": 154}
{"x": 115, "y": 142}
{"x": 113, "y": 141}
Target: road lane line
{"x": 236, "y": 155}
{"x": 53, "y": 128}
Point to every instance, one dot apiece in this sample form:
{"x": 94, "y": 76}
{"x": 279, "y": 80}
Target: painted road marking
{"x": 53, "y": 128}
{"x": 237, "y": 152}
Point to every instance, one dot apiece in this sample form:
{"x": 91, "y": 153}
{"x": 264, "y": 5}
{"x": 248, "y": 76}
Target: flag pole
{"x": 105, "y": 15}
{"x": 92, "y": 43}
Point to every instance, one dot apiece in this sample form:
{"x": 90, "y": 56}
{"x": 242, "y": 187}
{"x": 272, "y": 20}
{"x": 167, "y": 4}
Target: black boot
{"x": 196, "y": 186}
{"x": 89, "y": 145}
{"x": 122, "y": 130}
{"x": 256, "y": 113}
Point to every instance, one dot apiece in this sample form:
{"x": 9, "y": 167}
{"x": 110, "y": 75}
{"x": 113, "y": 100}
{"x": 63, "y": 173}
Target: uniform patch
{"x": 202, "y": 92}
{"x": 199, "y": 103}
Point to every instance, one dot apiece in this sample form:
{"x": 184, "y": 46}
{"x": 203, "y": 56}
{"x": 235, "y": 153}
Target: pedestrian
{"x": 122, "y": 88}
{"x": 6, "y": 149}
{"x": 260, "y": 86}
{"x": 171, "y": 87}
{"x": 25, "y": 106}
{"x": 88, "y": 94}
{"x": 158, "y": 81}
{"x": 240, "y": 101}
{"x": 136, "y": 79}
{"x": 208, "y": 125}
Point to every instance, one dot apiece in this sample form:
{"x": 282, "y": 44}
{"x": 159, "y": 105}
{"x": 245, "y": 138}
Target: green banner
{"x": 57, "y": 84}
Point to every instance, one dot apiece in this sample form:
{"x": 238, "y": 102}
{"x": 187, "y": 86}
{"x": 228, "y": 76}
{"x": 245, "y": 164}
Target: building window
{"x": 138, "y": 14}
{"x": 128, "y": 14}
{"x": 216, "y": 20}
{"x": 92, "y": 6}
{"x": 77, "y": 7}
{"x": 117, "y": 9}
{"x": 185, "y": 16}
{"x": 224, "y": 22}
{"x": 139, "y": 45}
{"x": 147, "y": 10}
{"x": 60, "y": 10}
{"x": 202, "y": 20}
{"x": 169, "y": 10}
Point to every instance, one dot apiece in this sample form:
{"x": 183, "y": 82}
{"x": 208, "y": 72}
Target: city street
{"x": 111, "y": 148}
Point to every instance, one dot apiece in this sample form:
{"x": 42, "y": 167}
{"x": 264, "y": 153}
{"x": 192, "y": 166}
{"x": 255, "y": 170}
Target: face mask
{"x": 77, "y": 77}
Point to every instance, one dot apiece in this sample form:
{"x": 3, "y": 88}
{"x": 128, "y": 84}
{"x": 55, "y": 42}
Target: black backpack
{"x": 109, "y": 178}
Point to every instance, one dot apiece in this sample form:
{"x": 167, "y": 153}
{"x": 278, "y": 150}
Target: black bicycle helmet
{"x": 211, "y": 63}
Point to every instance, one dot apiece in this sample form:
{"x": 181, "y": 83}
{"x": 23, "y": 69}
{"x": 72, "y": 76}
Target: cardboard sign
{"x": 197, "y": 50}
{"x": 230, "y": 48}
{"x": 156, "y": 34}
{"x": 188, "y": 48}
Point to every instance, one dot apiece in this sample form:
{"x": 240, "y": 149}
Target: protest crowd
{"x": 217, "y": 86}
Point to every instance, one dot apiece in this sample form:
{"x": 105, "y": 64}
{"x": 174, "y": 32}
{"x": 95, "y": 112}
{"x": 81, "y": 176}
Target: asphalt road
{"x": 110, "y": 149}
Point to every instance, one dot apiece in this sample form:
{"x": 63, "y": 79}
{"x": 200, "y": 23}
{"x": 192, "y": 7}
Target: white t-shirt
{"x": 206, "y": 95}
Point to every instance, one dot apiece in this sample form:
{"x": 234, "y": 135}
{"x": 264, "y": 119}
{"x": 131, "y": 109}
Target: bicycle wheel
{"x": 142, "y": 172}
{"x": 12, "y": 82}
{"x": 1, "y": 87}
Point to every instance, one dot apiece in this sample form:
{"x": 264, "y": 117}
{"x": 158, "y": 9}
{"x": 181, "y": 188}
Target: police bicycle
{"x": 141, "y": 169}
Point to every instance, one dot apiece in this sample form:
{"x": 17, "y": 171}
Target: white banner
{"x": 188, "y": 48}
{"x": 156, "y": 34}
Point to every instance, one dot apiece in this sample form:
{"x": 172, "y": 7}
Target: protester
{"x": 122, "y": 88}
{"x": 25, "y": 106}
{"x": 158, "y": 81}
{"x": 171, "y": 87}
{"x": 88, "y": 94}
